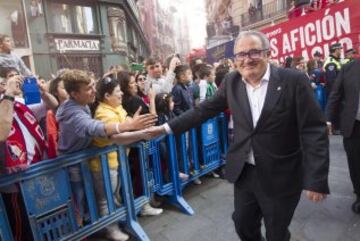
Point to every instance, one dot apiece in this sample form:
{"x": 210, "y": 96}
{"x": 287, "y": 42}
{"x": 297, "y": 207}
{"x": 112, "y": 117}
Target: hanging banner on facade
{"x": 64, "y": 45}
{"x": 316, "y": 31}
{"x": 220, "y": 52}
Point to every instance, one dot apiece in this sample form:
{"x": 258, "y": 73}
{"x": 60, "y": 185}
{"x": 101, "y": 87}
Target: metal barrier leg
{"x": 5, "y": 230}
{"x": 176, "y": 198}
{"x": 144, "y": 168}
{"x": 194, "y": 150}
{"x": 89, "y": 191}
{"x": 132, "y": 224}
{"x": 223, "y": 133}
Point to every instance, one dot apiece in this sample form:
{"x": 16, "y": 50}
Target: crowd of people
{"x": 78, "y": 110}
{"x": 322, "y": 70}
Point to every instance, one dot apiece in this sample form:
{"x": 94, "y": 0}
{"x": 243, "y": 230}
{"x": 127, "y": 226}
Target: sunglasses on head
{"x": 108, "y": 80}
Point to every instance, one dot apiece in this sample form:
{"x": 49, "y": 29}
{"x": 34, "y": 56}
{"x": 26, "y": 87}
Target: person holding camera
{"x": 22, "y": 143}
{"x": 23, "y": 120}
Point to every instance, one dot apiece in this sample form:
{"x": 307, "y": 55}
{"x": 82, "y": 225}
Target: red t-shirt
{"x": 52, "y": 128}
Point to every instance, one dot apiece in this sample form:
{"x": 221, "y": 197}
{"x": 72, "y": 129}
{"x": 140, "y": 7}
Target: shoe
{"x": 183, "y": 176}
{"x": 215, "y": 175}
{"x": 114, "y": 233}
{"x": 197, "y": 181}
{"x": 147, "y": 210}
{"x": 336, "y": 132}
{"x": 356, "y": 206}
{"x": 156, "y": 201}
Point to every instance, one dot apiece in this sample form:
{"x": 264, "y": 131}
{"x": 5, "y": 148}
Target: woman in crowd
{"x": 132, "y": 101}
{"x": 133, "y": 104}
{"x": 142, "y": 88}
{"x": 108, "y": 108}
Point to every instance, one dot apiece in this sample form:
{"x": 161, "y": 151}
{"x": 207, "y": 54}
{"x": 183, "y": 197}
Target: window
{"x": 87, "y": 62}
{"x": 68, "y": 18}
{"x": 13, "y": 23}
{"x": 117, "y": 29}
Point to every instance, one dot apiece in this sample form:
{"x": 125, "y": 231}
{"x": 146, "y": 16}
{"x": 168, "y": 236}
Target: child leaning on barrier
{"x": 131, "y": 103}
{"x": 164, "y": 109}
{"x": 108, "y": 109}
{"x": 183, "y": 98}
{"x": 77, "y": 127}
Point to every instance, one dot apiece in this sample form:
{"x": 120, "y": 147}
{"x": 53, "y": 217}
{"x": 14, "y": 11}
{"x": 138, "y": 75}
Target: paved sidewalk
{"x": 212, "y": 202}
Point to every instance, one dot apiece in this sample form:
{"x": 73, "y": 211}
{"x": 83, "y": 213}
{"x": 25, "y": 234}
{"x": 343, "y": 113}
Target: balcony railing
{"x": 267, "y": 11}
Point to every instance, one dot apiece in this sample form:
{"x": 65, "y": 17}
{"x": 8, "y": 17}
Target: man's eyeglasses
{"x": 252, "y": 54}
{"x": 152, "y": 67}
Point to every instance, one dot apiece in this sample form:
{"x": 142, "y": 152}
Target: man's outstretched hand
{"x": 315, "y": 196}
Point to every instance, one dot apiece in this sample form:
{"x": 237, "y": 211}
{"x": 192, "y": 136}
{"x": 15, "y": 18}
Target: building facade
{"x": 165, "y": 27}
{"x": 227, "y": 17}
{"x": 86, "y": 34}
{"x": 14, "y": 23}
{"x": 257, "y": 14}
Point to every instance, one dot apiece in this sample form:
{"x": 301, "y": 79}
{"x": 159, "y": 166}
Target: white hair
{"x": 261, "y": 36}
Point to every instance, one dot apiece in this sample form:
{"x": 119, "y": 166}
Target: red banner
{"x": 316, "y": 31}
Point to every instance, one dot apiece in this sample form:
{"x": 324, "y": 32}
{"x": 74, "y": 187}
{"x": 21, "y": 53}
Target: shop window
{"x": 87, "y": 62}
{"x": 13, "y": 23}
{"x": 69, "y": 18}
{"x": 117, "y": 29}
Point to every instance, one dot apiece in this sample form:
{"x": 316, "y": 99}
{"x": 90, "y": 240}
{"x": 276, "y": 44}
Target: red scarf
{"x": 26, "y": 142}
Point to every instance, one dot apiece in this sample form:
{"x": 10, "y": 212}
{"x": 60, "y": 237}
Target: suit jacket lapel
{"x": 275, "y": 88}
{"x": 244, "y": 103}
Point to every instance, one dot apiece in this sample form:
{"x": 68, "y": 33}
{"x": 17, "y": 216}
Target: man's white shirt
{"x": 256, "y": 96}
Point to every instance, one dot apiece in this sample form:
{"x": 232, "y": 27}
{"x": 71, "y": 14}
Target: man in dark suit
{"x": 345, "y": 94}
{"x": 280, "y": 142}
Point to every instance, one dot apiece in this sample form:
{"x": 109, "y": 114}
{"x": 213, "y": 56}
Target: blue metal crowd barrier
{"x": 320, "y": 96}
{"x": 46, "y": 191}
{"x": 201, "y": 150}
{"x": 48, "y": 194}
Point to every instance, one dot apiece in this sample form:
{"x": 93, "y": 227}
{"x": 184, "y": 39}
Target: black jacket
{"x": 290, "y": 141}
{"x": 345, "y": 94}
{"x": 183, "y": 98}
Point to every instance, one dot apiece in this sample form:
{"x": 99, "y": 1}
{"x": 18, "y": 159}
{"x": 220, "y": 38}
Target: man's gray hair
{"x": 263, "y": 38}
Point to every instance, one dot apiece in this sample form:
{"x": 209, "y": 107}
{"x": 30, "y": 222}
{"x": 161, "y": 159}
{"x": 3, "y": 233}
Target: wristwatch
{"x": 8, "y": 97}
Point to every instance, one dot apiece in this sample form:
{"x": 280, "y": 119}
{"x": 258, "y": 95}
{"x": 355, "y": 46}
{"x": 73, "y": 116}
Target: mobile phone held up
{"x": 31, "y": 91}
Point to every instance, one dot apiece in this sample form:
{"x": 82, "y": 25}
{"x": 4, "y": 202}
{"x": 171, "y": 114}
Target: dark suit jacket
{"x": 183, "y": 98}
{"x": 290, "y": 141}
{"x": 345, "y": 94}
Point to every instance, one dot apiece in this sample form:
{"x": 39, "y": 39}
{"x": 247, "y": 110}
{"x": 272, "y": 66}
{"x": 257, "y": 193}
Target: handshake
{"x": 153, "y": 132}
